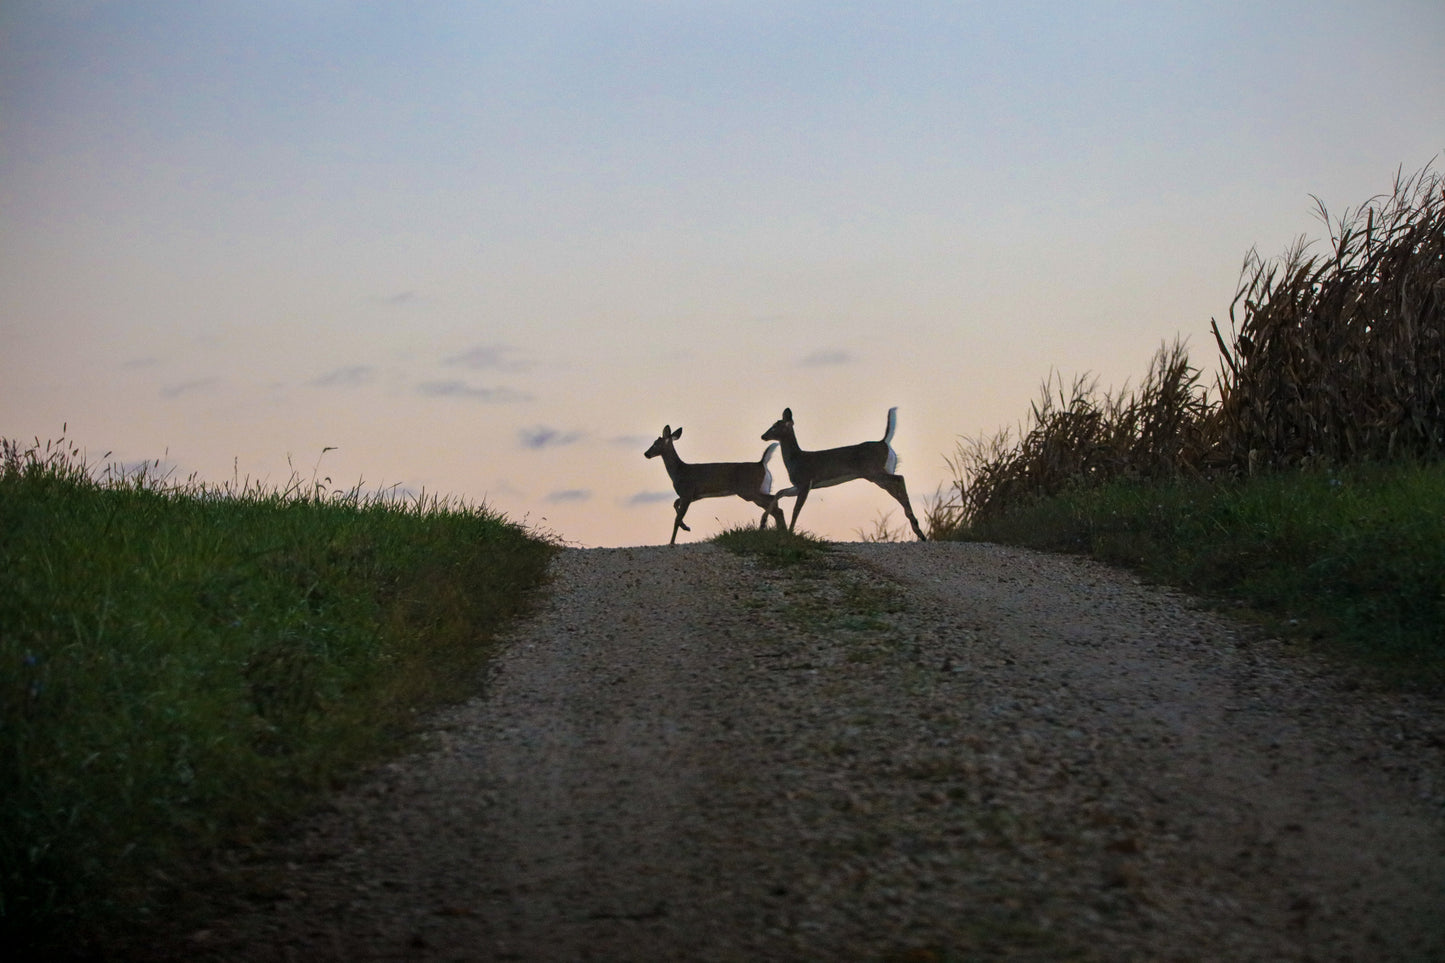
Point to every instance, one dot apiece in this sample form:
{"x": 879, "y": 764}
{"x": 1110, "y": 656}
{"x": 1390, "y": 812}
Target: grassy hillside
{"x": 182, "y": 666}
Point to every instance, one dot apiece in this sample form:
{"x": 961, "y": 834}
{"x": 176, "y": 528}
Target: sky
{"x": 488, "y": 250}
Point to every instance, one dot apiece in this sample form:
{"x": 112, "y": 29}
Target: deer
{"x": 748, "y": 480}
{"x": 871, "y": 460}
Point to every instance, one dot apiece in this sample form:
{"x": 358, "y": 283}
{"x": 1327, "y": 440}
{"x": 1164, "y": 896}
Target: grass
{"x": 775, "y": 547}
{"x": 1351, "y": 559}
{"x": 182, "y": 667}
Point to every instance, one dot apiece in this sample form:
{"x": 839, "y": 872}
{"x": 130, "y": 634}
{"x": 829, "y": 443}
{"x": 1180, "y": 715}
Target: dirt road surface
{"x": 919, "y": 752}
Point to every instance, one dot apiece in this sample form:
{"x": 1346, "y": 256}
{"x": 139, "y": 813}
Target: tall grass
{"x": 181, "y": 665}
{"x": 1079, "y": 437}
{"x": 1305, "y": 480}
{"x": 1335, "y": 358}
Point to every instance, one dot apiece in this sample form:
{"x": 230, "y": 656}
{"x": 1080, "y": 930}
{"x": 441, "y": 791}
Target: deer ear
{"x": 677, "y": 434}
{"x": 787, "y": 414}
{"x": 666, "y": 430}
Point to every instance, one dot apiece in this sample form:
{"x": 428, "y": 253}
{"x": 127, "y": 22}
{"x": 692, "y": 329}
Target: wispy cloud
{"x": 488, "y": 357}
{"x": 188, "y": 387}
{"x": 544, "y": 437}
{"x": 400, "y": 297}
{"x": 648, "y": 498}
{"x": 826, "y": 357}
{"x": 348, "y": 377}
{"x": 570, "y": 495}
{"x": 460, "y": 389}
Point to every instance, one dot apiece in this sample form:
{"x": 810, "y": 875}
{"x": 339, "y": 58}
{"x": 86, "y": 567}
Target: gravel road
{"x": 918, "y": 752}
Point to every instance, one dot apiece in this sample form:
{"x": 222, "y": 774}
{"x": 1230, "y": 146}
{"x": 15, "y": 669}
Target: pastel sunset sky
{"x": 489, "y": 249}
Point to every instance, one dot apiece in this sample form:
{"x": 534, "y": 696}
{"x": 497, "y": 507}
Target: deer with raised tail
{"x": 871, "y": 460}
{"x": 748, "y": 480}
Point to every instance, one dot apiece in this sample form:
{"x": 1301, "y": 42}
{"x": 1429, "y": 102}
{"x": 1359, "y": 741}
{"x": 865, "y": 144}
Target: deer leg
{"x": 802, "y": 492}
{"x": 681, "y": 506}
{"x": 895, "y": 486}
{"x": 770, "y": 507}
{"x": 775, "y": 511}
{"x": 763, "y": 501}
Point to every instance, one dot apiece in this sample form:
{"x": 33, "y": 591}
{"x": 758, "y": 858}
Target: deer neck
{"x": 675, "y": 465}
{"x": 792, "y": 452}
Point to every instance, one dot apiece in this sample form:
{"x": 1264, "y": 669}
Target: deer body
{"x": 874, "y": 461}
{"x": 749, "y": 480}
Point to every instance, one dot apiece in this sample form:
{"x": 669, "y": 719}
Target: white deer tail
{"x": 891, "y": 466}
{"x": 767, "y": 475}
{"x": 892, "y": 425}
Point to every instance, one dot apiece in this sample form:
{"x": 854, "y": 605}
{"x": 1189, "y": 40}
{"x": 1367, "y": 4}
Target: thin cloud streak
{"x": 351, "y": 376}
{"x": 647, "y": 498}
{"x": 460, "y": 389}
{"x": 189, "y": 387}
{"x": 570, "y": 495}
{"x": 488, "y": 357}
{"x": 544, "y": 437}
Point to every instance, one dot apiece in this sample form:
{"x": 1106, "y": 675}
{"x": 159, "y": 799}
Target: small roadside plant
{"x": 884, "y": 531}
{"x": 776, "y": 547}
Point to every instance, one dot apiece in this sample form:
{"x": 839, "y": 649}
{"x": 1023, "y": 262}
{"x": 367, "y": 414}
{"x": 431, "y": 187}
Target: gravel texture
{"x": 900, "y": 752}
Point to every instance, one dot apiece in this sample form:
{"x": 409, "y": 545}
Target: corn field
{"x": 1331, "y": 358}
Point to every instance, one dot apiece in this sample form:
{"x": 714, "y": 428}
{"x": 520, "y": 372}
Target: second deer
{"x": 749, "y": 480}
{"x": 807, "y": 470}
